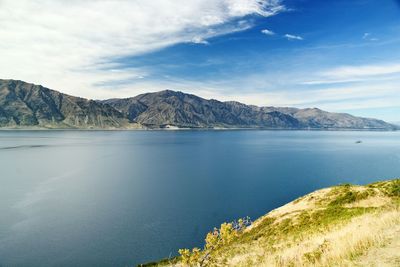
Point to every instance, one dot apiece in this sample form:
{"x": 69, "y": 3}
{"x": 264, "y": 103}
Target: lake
{"x": 120, "y": 198}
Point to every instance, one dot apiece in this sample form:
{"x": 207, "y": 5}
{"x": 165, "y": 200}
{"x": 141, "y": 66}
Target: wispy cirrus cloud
{"x": 351, "y": 74}
{"x": 67, "y": 45}
{"x": 349, "y": 88}
{"x": 293, "y": 37}
{"x": 362, "y": 71}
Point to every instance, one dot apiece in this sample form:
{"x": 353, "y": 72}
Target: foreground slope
{"x": 340, "y": 226}
{"x": 27, "y": 105}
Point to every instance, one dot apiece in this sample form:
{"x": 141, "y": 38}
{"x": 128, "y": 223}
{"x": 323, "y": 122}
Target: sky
{"x": 340, "y": 56}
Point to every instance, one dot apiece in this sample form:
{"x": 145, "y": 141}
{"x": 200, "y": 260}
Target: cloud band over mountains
{"x": 68, "y": 44}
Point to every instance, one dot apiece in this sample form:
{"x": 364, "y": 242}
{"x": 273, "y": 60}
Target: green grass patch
{"x": 393, "y": 188}
{"x": 389, "y": 188}
{"x": 257, "y": 232}
{"x": 269, "y": 232}
{"x": 348, "y": 196}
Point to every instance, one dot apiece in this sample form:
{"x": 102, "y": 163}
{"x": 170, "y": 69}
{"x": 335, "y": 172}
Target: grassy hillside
{"x": 345, "y": 225}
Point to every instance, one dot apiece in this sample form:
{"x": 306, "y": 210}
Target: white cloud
{"x": 199, "y": 40}
{"x": 65, "y": 44}
{"x": 353, "y": 74}
{"x": 362, "y": 71}
{"x": 329, "y": 81}
{"x": 267, "y": 32}
{"x": 293, "y": 37}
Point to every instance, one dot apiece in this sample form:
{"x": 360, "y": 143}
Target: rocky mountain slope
{"x": 345, "y": 225}
{"x": 25, "y": 105}
{"x": 186, "y": 110}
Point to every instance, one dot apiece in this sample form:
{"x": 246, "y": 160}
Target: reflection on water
{"x": 121, "y": 198}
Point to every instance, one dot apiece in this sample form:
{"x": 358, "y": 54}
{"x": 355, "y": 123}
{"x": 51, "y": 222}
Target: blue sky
{"x": 341, "y": 56}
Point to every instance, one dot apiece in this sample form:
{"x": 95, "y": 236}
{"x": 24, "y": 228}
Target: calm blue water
{"x": 122, "y": 198}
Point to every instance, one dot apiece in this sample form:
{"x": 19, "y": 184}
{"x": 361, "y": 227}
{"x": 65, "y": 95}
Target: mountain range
{"x": 25, "y": 105}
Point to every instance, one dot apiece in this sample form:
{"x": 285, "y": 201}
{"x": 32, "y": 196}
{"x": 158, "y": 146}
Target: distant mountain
{"x": 186, "y": 110}
{"x": 25, "y": 105}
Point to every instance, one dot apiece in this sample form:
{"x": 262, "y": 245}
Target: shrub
{"x": 213, "y": 241}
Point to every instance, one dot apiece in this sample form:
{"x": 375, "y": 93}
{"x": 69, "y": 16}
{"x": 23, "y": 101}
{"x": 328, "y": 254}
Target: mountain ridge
{"x": 26, "y": 105}
{"x": 147, "y": 109}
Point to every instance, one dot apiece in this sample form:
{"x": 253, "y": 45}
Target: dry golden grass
{"x": 339, "y": 246}
{"x": 339, "y": 226}
{"x": 334, "y": 244}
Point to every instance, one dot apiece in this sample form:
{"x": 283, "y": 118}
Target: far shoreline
{"x": 217, "y": 129}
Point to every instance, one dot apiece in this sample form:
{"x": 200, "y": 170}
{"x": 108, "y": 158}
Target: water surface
{"x": 76, "y": 198}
